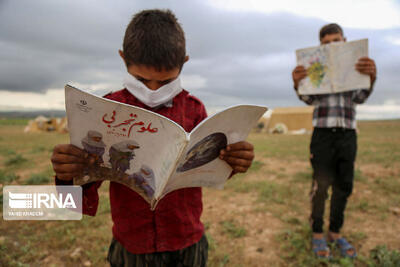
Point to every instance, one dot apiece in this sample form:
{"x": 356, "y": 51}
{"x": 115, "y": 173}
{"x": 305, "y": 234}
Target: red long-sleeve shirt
{"x": 175, "y": 223}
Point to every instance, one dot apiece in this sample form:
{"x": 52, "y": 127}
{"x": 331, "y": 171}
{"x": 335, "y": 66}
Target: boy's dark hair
{"x": 155, "y": 38}
{"x": 330, "y": 29}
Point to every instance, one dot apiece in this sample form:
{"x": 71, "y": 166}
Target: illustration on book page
{"x": 315, "y": 60}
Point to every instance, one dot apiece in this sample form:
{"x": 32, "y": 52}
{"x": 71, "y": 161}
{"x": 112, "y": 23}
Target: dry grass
{"x": 259, "y": 219}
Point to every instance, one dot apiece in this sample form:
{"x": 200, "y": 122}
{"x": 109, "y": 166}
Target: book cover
{"x": 148, "y": 152}
{"x": 331, "y": 67}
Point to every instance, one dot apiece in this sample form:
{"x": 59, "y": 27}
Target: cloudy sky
{"x": 240, "y": 51}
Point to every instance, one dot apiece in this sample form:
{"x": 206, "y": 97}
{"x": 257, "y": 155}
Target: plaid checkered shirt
{"x": 336, "y": 110}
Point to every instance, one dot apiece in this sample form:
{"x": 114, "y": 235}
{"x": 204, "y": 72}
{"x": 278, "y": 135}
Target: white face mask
{"x": 152, "y": 98}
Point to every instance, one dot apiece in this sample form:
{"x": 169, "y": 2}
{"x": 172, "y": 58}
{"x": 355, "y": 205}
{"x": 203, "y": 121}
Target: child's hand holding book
{"x": 239, "y": 156}
{"x": 69, "y": 161}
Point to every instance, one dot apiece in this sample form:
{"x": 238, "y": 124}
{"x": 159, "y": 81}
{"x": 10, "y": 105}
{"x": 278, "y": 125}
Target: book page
{"x": 344, "y": 57}
{"x": 132, "y": 146}
{"x": 316, "y": 61}
{"x": 200, "y": 164}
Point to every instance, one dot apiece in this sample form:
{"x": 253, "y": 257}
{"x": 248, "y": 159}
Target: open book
{"x": 148, "y": 152}
{"x": 331, "y": 67}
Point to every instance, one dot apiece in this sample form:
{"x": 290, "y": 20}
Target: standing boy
{"x": 333, "y": 148}
{"x": 172, "y": 235}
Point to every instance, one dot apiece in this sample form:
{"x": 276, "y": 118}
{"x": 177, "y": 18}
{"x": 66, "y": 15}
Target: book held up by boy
{"x": 148, "y": 152}
{"x": 330, "y": 67}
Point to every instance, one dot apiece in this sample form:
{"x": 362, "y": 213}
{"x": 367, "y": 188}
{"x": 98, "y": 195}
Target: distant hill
{"x": 32, "y": 114}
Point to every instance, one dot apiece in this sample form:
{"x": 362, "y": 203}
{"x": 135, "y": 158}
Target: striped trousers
{"x": 193, "y": 256}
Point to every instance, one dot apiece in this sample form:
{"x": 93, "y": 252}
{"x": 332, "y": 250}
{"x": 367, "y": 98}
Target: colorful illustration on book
{"x": 204, "y": 151}
{"x": 315, "y": 60}
{"x": 126, "y": 125}
{"x": 121, "y": 155}
{"x": 316, "y": 72}
{"x": 145, "y": 180}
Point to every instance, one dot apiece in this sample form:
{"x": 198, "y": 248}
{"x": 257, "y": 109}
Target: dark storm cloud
{"x": 43, "y": 44}
{"x": 246, "y": 56}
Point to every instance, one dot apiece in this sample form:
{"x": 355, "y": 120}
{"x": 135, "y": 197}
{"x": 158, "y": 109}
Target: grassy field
{"x": 259, "y": 219}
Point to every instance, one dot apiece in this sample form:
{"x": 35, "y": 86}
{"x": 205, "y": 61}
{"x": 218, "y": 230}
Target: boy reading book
{"x": 171, "y": 235}
{"x": 333, "y": 148}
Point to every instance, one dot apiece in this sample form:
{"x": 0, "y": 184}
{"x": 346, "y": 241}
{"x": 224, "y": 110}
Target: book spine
{"x": 153, "y": 204}
{"x": 183, "y": 148}
{"x": 331, "y": 64}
